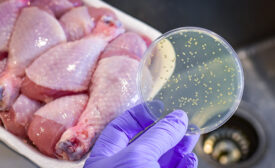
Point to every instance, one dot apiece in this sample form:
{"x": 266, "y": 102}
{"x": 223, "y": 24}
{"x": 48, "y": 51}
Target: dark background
{"x": 240, "y": 22}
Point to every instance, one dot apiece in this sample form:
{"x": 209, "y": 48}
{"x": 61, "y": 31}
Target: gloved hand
{"x": 163, "y": 145}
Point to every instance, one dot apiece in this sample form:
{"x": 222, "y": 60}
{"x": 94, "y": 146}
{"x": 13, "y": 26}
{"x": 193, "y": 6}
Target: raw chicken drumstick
{"x": 9, "y": 11}
{"x": 56, "y": 7}
{"x": 113, "y": 90}
{"x": 67, "y": 68}
{"x": 126, "y": 47}
{"x": 35, "y": 31}
{"x": 79, "y": 22}
{"x": 20, "y": 115}
{"x": 96, "y": 13}
{"x": 51, "y": 120}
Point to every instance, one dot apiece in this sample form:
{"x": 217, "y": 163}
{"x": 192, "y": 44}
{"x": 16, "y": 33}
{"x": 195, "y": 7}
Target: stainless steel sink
{"x": 258, "y": 61}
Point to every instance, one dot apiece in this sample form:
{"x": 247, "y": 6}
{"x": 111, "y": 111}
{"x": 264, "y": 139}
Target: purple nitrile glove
{"x": 163, "y": 145}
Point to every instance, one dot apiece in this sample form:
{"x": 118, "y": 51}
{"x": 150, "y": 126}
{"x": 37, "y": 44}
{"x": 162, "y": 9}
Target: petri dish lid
{"x": 195, "y": 70}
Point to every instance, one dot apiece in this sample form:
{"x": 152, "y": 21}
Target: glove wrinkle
{"x": 163, "y": 135}
{"x": 137, "y": 121}
{"x": 127, "y": 124}
{"x": 187, "y": 144}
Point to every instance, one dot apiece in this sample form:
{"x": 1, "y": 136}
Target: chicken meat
{"x": 18, "y": 118}
{"x": 51, "y": 120}
{"x": 9, "y": 11}
{"x": 67, "y": 68}
{"x": 66, "y": 71}
{"x": 113, "y": 90}
{"x": 35, "y": 32}
{"x": 56, "y": 7}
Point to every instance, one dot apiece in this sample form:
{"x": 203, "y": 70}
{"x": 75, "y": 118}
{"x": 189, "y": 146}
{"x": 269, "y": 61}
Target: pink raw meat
{"x": 3, "y": 55}
{"x": 3, "y": 62}
{"x": 9, "y": 11}
{"x": 32, "y": 37}
{"x": 111, "y": 93}
{"x": 67, "y": 68}
{"x": 133, "y": 48}
{"x": 77, "y": 23}
{"x": 57, "y": 7}
{"x": 113, "y": 90}
{"x": 20, "y": 115}
{"x": 35, "y": 31}
{"x": 53, "y": 119}
{"x": 147, "y": 40}
{"x": 96, "y": 13}
{"x": 8, "y": 123}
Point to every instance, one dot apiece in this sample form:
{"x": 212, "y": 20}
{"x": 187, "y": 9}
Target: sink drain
{"x": 239, "y": 143}
{"x": 227, "y": 145}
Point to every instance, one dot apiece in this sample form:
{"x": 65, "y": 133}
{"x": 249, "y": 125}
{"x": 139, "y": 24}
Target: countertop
{"x": 10, "y": 159}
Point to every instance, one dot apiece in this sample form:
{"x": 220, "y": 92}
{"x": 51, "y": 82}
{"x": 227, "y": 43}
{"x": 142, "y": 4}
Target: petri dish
{"x": 195, "y": 70}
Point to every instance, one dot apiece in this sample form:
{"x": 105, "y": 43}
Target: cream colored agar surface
{"x": 199, "y": 75}
{"x": 162, "y": 69}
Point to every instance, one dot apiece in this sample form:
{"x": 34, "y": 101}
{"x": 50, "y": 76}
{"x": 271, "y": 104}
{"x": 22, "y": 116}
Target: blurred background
{"x": 240, "y": 22}
{"x": 247, "y": 140}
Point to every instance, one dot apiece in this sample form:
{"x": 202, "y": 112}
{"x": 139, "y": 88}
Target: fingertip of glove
{"x": 193, "y": 159}
{"x": 189, "y": 160}
{"x": 187, "y": 144}
{"x": 178, "y": 115}
{"x": 142, "y": 114}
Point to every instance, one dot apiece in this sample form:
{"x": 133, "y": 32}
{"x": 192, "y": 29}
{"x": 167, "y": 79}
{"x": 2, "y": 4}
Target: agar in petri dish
{"x": 195, "y": 70}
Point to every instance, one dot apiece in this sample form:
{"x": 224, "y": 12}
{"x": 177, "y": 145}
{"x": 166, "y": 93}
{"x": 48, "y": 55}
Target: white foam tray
{"x": 32, "y": 153}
